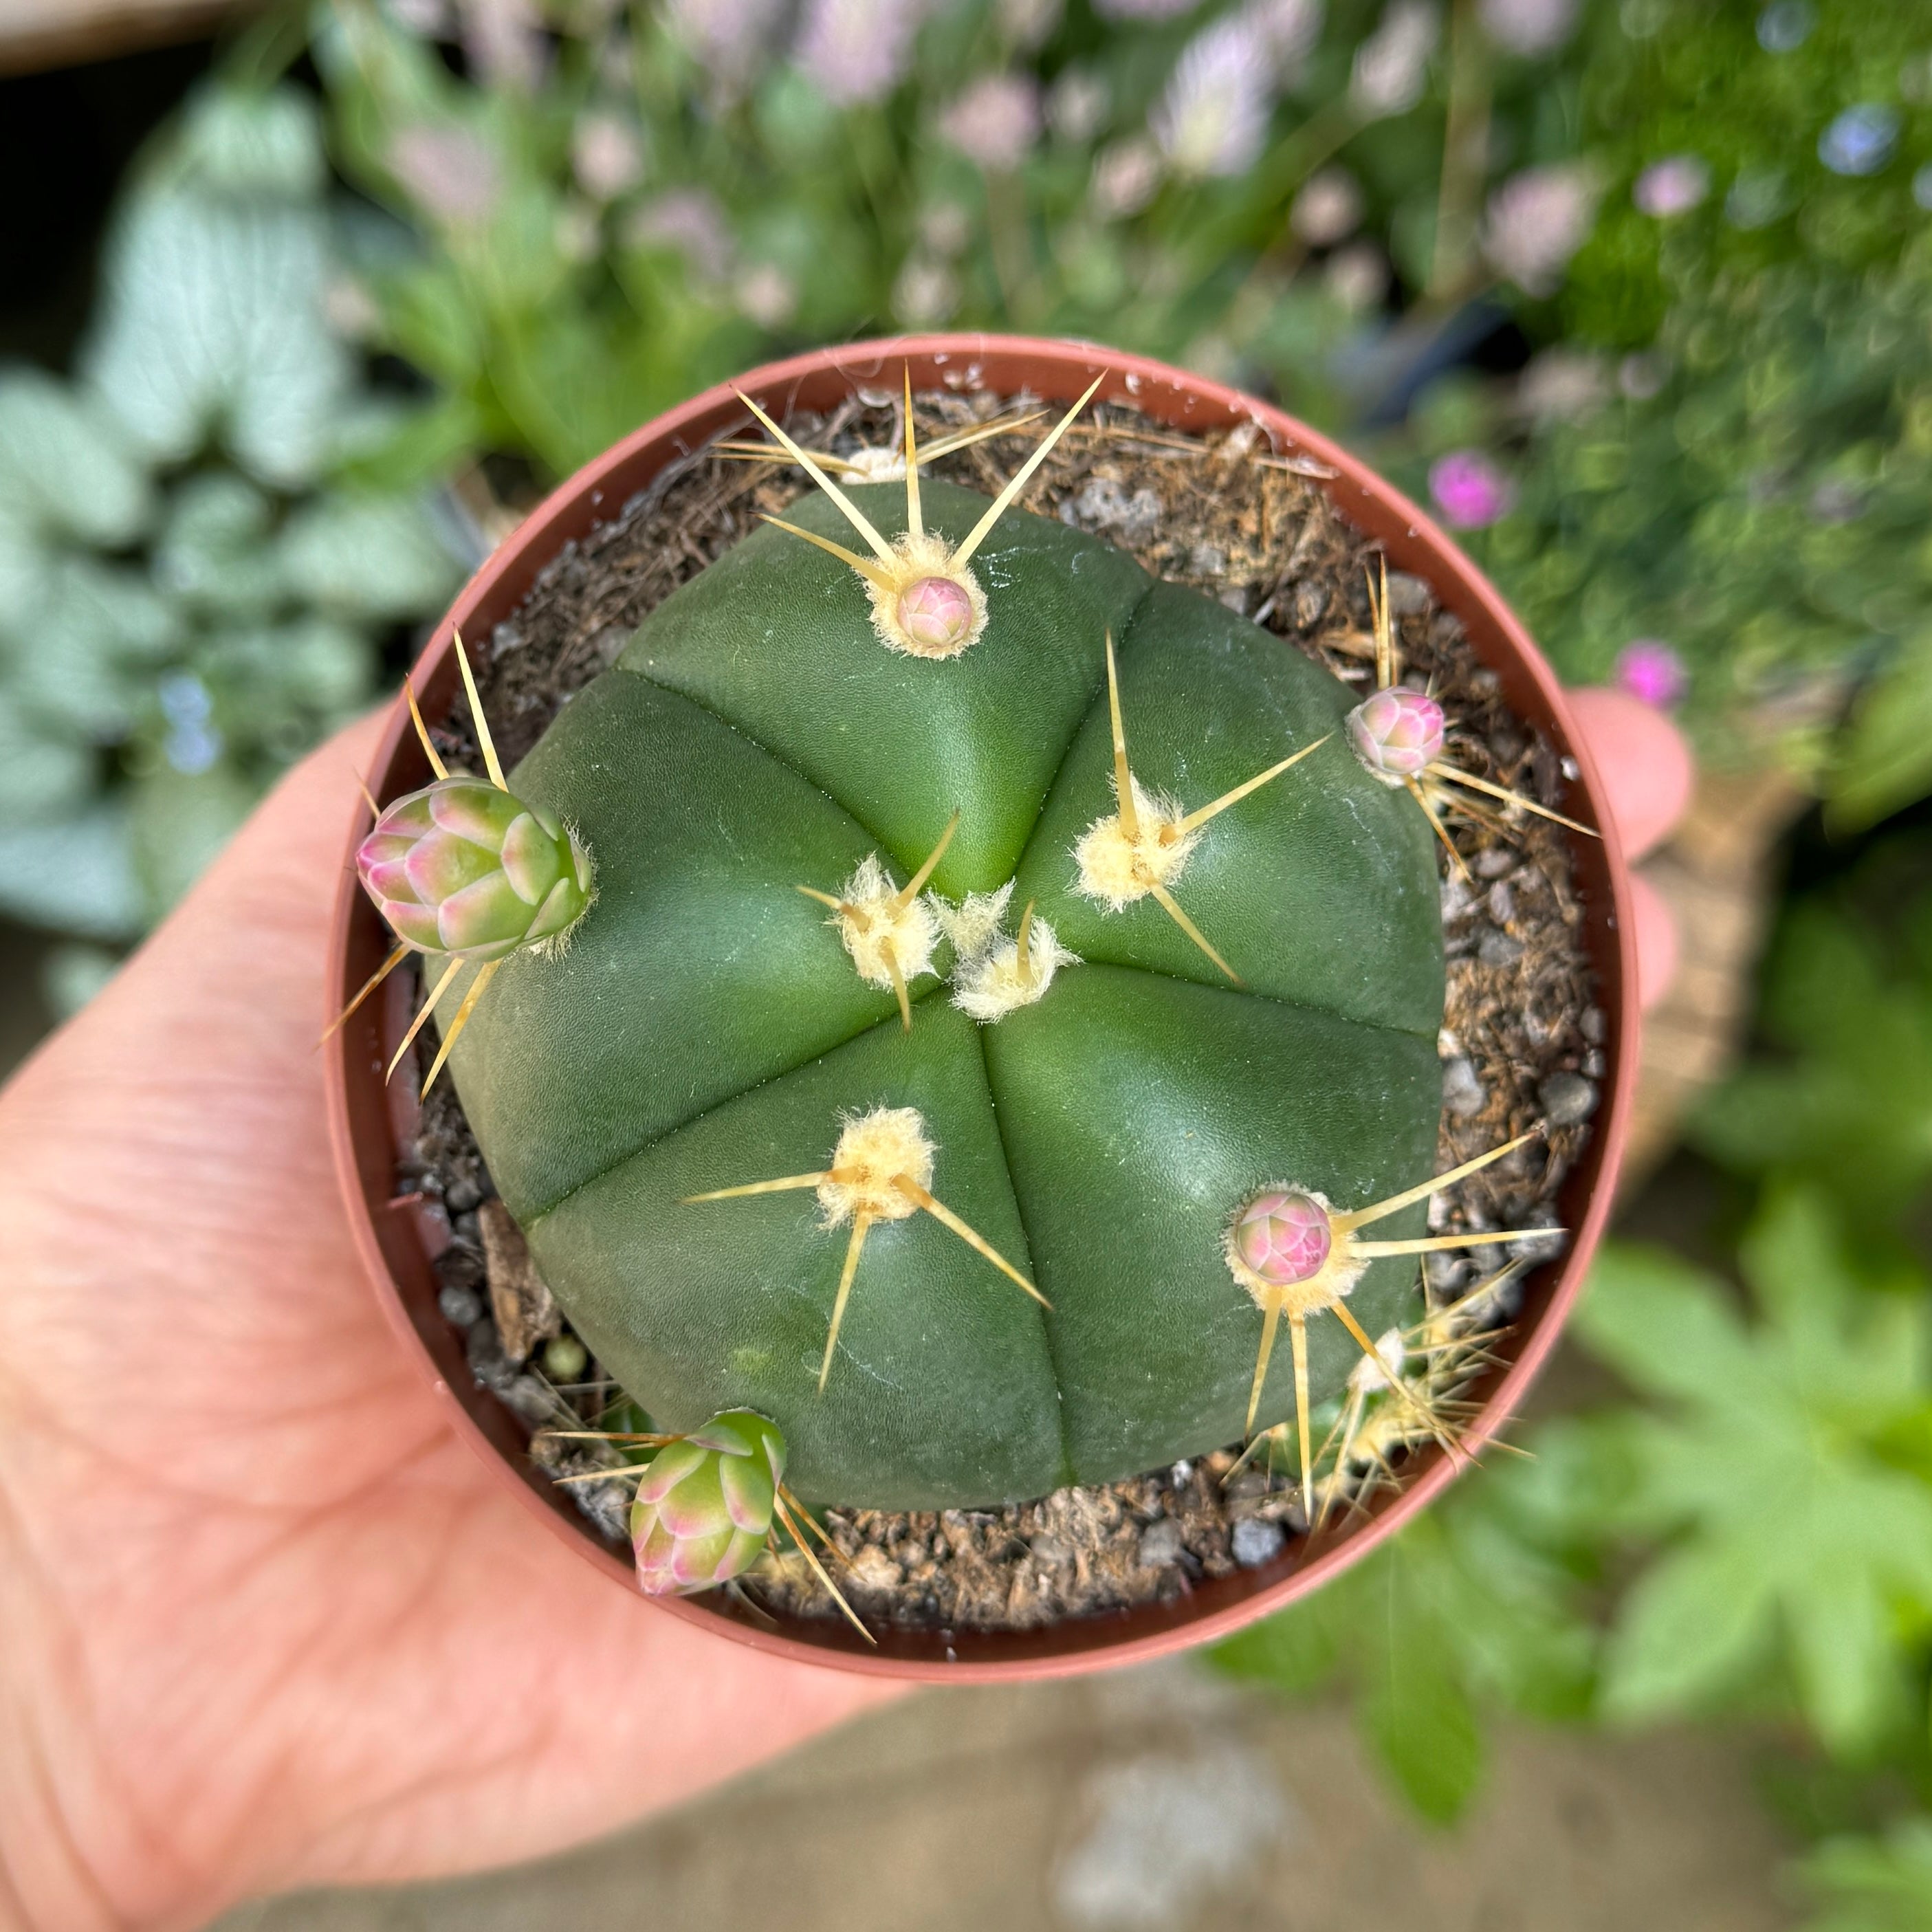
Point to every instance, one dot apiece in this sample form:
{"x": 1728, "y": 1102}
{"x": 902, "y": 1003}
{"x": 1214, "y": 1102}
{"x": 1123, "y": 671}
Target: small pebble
{"x": 1207, "y": 560}
{"x": 529, "y": 1399}
{"x": 1593, "y": 1025}
{"x": 1456, "y": 898}
{"x": 1501, "y": 902}
{"x": 1567, "y": 1099}
{"x": 565, "y": 1358}
{"x": 1408, "y": 596}
{"x": 1235, "y": 597}
{"x": 462, "y": 1307}
{"x": 1498, "y": 948}
{"x": 1311, "y": 603}
{"x": 1182, "y": 1474}
{"x": 1494, "y": 861}
{"x": 1255, "y": 1540}
{"x": 460, "y": 1267}
{"x": 1161, "y": 1543}
{"x": 1540, "y": 1247}
{"x": 462, "y": 1195}
{"x": 1462, "y": 1093}
{"x": 1595, "y": 1064}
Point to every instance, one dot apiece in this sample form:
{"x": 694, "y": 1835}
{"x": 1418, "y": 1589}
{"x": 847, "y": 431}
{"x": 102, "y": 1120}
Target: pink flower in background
{"x": 606, "y": 155}
{"x": 1328, "y": 209}
{"x": 1127, "y": 177}
{"x": 855, "y": 50}
{"x": 995, "y": 122}
{"x": 1077, "y": 107}
{"x": 1536, "y": 221}
{"x": 448, "y": 172}
{"x": 1527, "y": 28}
{"x": 690, "y": 220}
{"x": 1648, "y": 668}
{"x": 1672, "y": 186}
{"x": 1391, "y": 66}
{"x": 766, "y": 295}
{"x": 503, "y": 42}
{"x": 730, "y": 39}
{"x": 1213, "y": 121}
{"x": 1469, "y": 489}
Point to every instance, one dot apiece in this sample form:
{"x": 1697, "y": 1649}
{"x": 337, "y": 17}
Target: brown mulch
{"x": 1520, "y": 1043}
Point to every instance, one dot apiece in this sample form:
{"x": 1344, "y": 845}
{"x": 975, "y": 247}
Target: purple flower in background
{"x": 1861, "y": 140}
{"x": 1527, "y": 28}
{"x": 1648, "y": 668}
{"x": 1126, "y": 176}
{"x": 1212, "y": 120}
{"x": 1289, "y": 29}
{"x": 1536, "y": 221}
{"x": 1391, "y": 66}
{"x": 995, "y": 122}
{"x": 690, "y": 220}
{"x": 1469, "y": 489}
{"x": 448, "y": 172}
{"x": 606, "y": 155}
{"x": 729, "y": 38}
{"x": 1672, "y": 186}
{"x": 856, "y": 50}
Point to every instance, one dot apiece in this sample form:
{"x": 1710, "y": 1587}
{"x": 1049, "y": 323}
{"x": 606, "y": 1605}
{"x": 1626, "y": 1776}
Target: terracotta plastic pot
{"x": 400, "y": 1237}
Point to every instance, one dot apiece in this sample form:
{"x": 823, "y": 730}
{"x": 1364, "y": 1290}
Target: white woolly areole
{"x": 871, "y": 924}
{"x": 915, "y": 557}
{"x": 995, "y": 984}
{"x": 1368, "y": 1377}
{"x": 1331, "y": 1282}
{"x": 974, "y": 924}
{"x": 1117, "y": 870}
{"x": 876, "y": 1151}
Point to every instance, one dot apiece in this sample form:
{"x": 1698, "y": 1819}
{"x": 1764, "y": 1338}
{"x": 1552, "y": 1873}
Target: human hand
{"x": 268, "y": 1622}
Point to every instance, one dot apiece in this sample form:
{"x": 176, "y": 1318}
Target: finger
{"x": 1643, "y": 761}
{"x": 1657, "y": 946}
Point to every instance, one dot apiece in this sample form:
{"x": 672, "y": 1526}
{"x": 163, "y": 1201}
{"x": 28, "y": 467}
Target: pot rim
{"x": 397, "y": 1236}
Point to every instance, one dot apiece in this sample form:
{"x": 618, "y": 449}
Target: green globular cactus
{"x": 973, "y": 1259}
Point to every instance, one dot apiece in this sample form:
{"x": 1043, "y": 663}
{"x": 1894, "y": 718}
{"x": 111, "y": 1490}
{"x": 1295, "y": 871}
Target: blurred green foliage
{"x": 1745, "y": 1531}
{"x": 605, "y": 217}
{"x": 188, "y": 598}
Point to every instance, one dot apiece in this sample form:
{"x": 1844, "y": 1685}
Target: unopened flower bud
{"x": 704, "y": 1506}
{"x": 463, "y": 867}
{"x": 1397, "y": 733}
{"x": 1283, "y": 1237}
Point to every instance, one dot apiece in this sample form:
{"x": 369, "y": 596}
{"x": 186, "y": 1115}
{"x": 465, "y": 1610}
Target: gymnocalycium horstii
{"x": 952, "y": 998}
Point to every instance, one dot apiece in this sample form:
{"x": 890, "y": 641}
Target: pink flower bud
{"x": 1283, "y": 1237}
{"x": 935, "y": 613}
{"x": 1398, "y": 733}
{"x": 704, "y": 1506}
{"x": 462, "y": 867}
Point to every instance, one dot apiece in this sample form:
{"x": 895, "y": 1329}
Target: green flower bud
{"x": 704, "y": 1506}
{"x": 462, "y": 867}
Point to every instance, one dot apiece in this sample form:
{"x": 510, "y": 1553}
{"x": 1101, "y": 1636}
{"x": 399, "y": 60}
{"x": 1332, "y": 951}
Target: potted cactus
{"x": 941, "y": 1005}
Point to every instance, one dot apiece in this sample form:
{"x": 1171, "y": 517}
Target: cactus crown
{"x": 1165, "y": 1103}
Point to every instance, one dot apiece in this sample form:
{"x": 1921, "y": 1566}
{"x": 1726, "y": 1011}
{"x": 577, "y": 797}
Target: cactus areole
{"x": 1170, "y": 954}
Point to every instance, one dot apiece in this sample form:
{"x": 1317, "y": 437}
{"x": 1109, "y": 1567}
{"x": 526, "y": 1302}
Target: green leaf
{"x": 215, "y": 552}
{"x": 368, "y": 557}
{"x": 1767, "y": 1463}
{"x": 1885, "y": 759}
{"x": 77, "y": 876}
{"x": 62, "y": 466}
{"x": 1873, "y": 1885}
{"x": 1691, "y": 1626}
{"x": 212, "y": 326}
